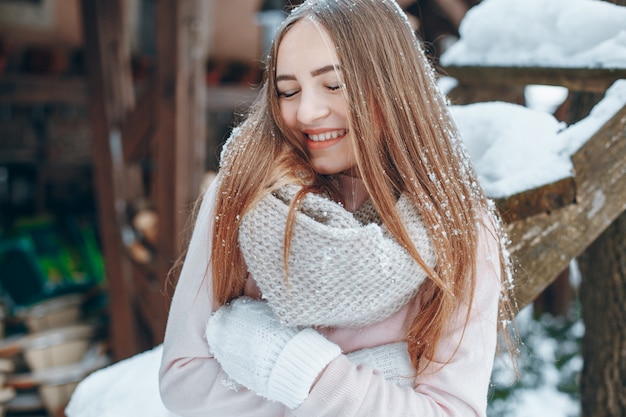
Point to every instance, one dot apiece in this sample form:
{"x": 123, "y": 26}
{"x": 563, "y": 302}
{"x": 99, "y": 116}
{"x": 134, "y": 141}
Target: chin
{"x": 331, "y": 169}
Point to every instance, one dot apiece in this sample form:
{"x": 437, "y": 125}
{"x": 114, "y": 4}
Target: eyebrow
{"x": 314, "y": 73}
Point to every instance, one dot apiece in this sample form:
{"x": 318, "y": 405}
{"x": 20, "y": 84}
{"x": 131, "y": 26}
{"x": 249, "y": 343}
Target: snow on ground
{"x": 549, "y": 366}
{"x": 129, "y": 388}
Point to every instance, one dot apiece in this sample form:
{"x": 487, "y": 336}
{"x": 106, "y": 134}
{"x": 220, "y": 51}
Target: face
{"x": 311, "y": 96}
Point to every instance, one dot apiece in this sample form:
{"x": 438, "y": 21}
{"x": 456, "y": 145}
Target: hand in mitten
{"x": 391, "y": 360}
{"x": 277, "y": 362}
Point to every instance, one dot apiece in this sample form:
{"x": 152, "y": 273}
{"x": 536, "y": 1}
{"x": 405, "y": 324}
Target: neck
{"x": 353, "y": 191}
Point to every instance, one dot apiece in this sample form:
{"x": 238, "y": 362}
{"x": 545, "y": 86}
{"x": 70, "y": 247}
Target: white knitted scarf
{"x": 344, "y": 269}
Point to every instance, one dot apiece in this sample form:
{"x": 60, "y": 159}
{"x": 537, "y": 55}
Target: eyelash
{"x": 286, "y": 95}
{"x": 291, "y": 94}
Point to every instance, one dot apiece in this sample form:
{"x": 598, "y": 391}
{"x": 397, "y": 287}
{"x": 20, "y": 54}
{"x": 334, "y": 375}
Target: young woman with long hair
{"x": 345, "y": 261}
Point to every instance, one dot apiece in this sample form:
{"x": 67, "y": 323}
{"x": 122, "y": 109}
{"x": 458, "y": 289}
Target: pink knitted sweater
{"x": 193, "y": 384}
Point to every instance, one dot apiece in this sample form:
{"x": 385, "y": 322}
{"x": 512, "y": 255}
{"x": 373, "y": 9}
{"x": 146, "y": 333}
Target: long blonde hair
{"x": 412, "y": 148}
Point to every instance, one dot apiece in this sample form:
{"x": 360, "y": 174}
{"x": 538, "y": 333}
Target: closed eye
{"x": 287, "y": 94}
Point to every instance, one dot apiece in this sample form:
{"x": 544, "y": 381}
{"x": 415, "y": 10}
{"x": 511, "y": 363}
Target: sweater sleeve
{"x": 191, "y": 381}
{"x": 458, "y": 388}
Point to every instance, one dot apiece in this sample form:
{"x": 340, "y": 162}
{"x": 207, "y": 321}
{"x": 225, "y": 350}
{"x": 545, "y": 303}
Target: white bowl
{"x": 57, "y": 347}
{"x": 55, "y": 312}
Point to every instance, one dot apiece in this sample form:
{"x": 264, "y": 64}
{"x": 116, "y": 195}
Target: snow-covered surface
{"x": 515, "y": 148}
{"x": 554, "y": 33}
{"x": 128, "y": 388}
{"x": 546, "y": 98}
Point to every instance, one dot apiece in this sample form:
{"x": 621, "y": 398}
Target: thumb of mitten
{"x": 391, "y": 360}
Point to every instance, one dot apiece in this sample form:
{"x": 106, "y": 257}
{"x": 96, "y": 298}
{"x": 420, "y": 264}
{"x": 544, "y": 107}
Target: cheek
{"x": 340, "y": 107}
{"x": 288, "y": 115}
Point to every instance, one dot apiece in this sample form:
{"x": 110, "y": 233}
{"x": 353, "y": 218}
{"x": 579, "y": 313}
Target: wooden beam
{"x": 595, "y": 80}
{"x": 109, "y": 100}
{"x": 543, "y": 245}
{"x": 150, "y": 302}
{"x": 138, "y": 128}
{"x": 180, "y": 138}
{"x": 539, "y": 200}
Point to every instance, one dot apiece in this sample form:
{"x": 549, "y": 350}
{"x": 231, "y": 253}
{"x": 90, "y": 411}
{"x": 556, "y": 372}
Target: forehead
{"x": 305, "y": 47}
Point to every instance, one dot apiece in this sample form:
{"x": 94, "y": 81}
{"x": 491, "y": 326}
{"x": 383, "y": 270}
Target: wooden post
{"x": 180, "y": 139}
{"x": 543, "y": 244}
{"x": 110, "y": 98}
{"x": 168, "y": 126}
{"x": 603, "y": 296}
{"x": 603, "y": 270}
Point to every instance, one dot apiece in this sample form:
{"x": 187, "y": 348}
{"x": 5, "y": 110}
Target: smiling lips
{"x": 327, "y": 135}
{"x": 325, "y": 139}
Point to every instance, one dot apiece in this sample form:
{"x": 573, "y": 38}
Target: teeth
{"x": 327, "y": 136}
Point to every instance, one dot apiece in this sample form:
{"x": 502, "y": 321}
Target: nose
{"x": 312, "y": 107}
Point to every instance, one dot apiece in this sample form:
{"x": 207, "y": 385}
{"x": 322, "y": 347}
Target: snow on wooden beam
{"x": 543, "y": 244}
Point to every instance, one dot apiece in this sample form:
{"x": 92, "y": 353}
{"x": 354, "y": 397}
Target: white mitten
{"x": 391, "y": 360}
{"x": 277, "y": 362}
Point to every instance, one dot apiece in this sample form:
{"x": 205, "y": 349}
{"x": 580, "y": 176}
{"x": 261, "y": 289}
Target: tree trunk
{"x": 603, "y": 298}
{"x": 603, "y": 289}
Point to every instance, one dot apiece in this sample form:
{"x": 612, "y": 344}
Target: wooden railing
{"x": 554, "y": 223}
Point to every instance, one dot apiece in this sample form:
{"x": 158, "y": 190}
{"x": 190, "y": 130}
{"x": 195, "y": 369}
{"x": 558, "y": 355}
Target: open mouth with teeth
{"x": 326, "y": 139}
{"x": 328, "y": 135}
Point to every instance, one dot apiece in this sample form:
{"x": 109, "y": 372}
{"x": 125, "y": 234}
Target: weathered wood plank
{"x": 544, "y": 199}
{"x": 180, "y": 138}
{"x": 109, "y": 101}
{"x": 138, "y": 128}
{"x": 543, "y": 245}
{"x": 150, "y": 304}
{"x": 595, "y": 80}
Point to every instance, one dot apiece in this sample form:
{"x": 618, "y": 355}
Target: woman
{"x": 345, "y": 261}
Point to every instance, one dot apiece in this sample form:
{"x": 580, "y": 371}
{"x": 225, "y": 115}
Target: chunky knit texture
{"x": 277, "y": 362}
{"x": 391, "y": 360}
{"x": 344, "y": 270}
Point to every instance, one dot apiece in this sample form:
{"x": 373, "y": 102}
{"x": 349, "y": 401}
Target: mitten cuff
{"x": 299, "y": 363}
